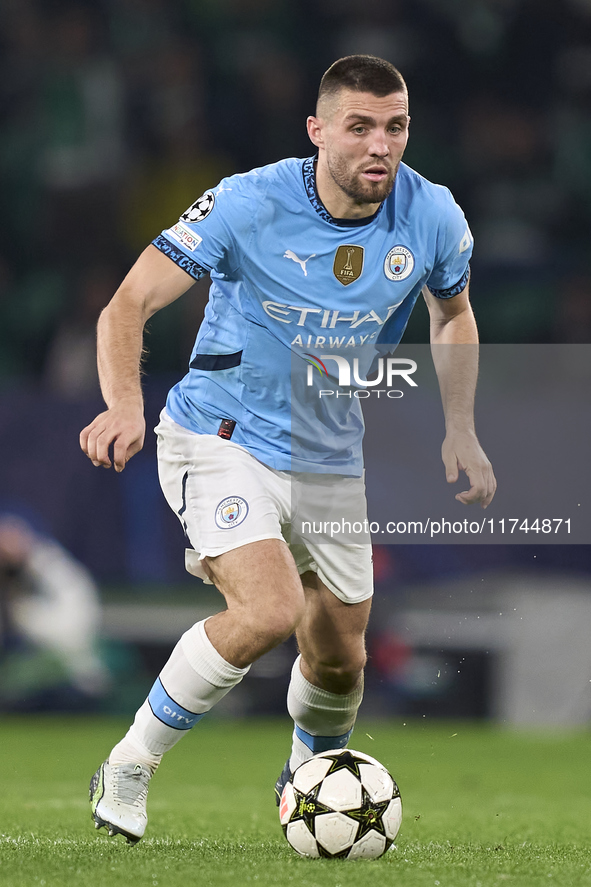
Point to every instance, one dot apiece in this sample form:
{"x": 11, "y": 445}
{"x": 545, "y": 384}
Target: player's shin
{"x": 192, "y": 681}
{"x": 322, "y": 720}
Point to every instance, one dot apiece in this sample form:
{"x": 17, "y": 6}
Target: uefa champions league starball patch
{"x": 399, "y": 263}
{"x": 231, "y": 512}
{"x": 200, "y": 209}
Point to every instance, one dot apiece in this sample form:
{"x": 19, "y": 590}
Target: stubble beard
{"x": 359, "y": 190}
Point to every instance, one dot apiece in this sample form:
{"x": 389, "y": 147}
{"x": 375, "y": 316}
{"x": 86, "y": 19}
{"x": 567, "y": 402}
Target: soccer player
{"x": 304, "y": 255}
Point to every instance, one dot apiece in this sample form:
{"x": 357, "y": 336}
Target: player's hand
{"x": 461, "y": 451}
{"x": 123, "y": 426}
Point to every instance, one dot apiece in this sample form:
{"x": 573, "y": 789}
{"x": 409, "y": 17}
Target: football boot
{"x": 118, "y": 795}
{"x": 284, "y": 778}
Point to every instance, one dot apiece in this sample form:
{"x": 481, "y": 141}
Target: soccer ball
{"x": 341, "y": 804}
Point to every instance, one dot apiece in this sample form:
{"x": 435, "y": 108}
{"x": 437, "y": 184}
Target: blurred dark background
{"x": 117, "y": 114}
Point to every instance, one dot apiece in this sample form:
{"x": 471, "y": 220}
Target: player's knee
{"x": 276, "y": 622}
{"x": 280, "y": 622}
{"x": 341, "y": 676}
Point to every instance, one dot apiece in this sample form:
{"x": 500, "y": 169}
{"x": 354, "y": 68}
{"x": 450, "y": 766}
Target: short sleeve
{"x": 207, "y": 235}
{"x": 454, "y": 248}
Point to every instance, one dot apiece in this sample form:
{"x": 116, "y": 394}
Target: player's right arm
{"x": 153, "y": 282}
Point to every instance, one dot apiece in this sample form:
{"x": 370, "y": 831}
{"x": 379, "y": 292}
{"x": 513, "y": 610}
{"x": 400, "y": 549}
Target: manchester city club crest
{"x": 231, "y": 512}
{"x": 399, "y": 263}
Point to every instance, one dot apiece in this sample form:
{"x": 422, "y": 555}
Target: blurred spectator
{"x": 177, "y": 163}
{"x": 82, "y": 124}
{"x": 12, "y": 360}
{"x": 256, "y": 79}
{"x": 515, "y": 205}
{"x": 139, "y": 27}
{"x": 481, "y": 26}
{"x": 571, "y": 136}
{"x": 30, "y": 307}
{"x": 70, "y": 368}
{"x": 274, "y": 81}
{"x": 49, "y": 620}
{"x": 573, "y": 321}
{"x": 377, "y": 27}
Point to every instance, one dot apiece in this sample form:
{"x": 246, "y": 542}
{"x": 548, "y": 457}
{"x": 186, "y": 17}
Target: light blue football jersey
{"x": 290, "y": 284}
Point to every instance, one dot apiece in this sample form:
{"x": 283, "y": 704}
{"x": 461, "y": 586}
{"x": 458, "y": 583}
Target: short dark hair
{"x": 362, "y": 73}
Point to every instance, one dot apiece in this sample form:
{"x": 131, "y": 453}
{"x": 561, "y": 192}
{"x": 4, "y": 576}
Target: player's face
{"x": 362, "y": 139}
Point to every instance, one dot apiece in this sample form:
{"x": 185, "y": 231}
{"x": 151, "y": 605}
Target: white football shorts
{"x": 225, "y": 498}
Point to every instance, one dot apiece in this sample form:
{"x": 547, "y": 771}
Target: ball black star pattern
{"x": 345, "y": 760}
{"x": 308, "y": 807}
{"x": 369, "y": 816}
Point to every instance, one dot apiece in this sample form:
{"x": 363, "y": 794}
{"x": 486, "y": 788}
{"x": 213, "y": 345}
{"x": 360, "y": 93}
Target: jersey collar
{"x": 309, "y": 174}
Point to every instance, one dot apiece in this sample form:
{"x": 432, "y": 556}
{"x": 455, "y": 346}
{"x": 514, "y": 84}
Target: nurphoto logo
{"x": 389, "y": 370}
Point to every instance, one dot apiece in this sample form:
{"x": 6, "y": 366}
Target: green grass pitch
{"x": 482, "y": 807}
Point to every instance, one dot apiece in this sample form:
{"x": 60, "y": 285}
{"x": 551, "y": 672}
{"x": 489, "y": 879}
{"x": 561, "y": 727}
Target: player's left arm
{"x": 454, "y": 346}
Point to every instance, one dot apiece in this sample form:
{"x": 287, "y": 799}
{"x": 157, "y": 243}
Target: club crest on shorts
{"x": 231, "y": 512}
{"x": 399, "y": 263}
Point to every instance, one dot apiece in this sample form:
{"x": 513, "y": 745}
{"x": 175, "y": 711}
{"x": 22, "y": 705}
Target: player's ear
{"x": 314, "y": 126}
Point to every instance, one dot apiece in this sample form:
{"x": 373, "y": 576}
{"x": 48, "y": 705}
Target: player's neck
{"x": 336, "y": 201}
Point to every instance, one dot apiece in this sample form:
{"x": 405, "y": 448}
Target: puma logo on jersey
{"x": 466, "y": 241}
{"x": 289, "y": 254}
